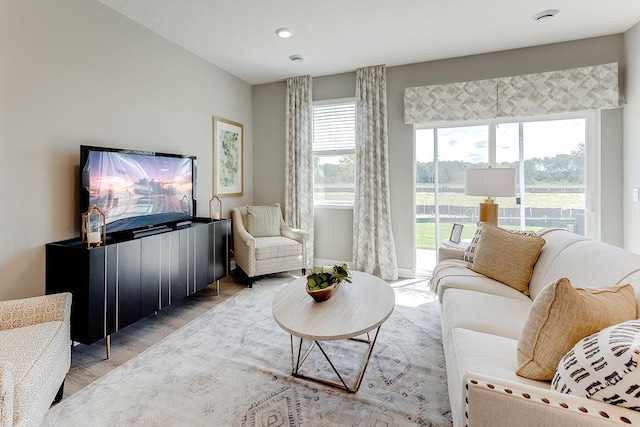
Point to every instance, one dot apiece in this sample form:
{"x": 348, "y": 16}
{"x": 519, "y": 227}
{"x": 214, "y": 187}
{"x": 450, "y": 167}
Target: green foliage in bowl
{"x": 322, "y": 278}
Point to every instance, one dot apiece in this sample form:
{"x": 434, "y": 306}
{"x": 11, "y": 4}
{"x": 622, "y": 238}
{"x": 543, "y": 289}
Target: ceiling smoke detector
{"x": 296, "y": 59}
{"x": 545, "y": 15}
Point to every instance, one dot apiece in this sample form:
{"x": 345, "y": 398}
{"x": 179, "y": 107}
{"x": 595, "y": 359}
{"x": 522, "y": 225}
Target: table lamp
{"x": 490, "y": 182}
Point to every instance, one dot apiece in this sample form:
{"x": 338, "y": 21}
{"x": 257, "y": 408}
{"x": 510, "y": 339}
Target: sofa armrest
{"x": 499, "y": 403}
{"x": 6, "y": 395}
{"x": 31, "y": 311}
{"x": 449, "y": 253}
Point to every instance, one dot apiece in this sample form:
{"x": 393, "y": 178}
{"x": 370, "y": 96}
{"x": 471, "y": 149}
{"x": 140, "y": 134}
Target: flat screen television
{"x": 137, "y": 189}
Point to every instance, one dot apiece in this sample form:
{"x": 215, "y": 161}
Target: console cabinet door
{"x": 128, "y": 283}
{"x": 219, "y": 255}
{"x": 150, "y": 274}
{"x": 201, "y": 256}
{"x": 81, "y": 271}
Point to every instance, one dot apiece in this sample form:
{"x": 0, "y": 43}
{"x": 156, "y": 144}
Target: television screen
{"x": 137, "y": 189}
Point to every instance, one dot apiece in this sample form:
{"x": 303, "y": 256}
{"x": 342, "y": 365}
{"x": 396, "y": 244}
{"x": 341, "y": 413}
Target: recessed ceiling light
{"x": 545, "y": 15}
{"x": 284, "y": 32}
{"x": 296, "y": 59}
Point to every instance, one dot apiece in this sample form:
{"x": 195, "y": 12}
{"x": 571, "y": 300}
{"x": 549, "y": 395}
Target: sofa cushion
{"x": 482, "y": 312}
{"x": 507, "y": 257}
{"x": 604, "y": 366}
{"x": 274, "y": 247}
{"x": 263, "y": 221}
{"x": 561, "y": 316}
{"x": 454, "y": 274}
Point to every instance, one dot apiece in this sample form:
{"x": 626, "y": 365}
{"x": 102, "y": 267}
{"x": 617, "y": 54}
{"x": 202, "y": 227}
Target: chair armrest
{"x": 31, "y": 311}
{"x": 498, "y": 403}
{"x": 240, "y": 234}
{"x": 294, "y": 233}
{"x": 449, "y": 253}
{"x": 6, "y": 395}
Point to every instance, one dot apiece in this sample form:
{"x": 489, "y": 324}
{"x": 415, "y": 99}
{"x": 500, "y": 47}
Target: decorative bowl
{"x": 322, "y": 294}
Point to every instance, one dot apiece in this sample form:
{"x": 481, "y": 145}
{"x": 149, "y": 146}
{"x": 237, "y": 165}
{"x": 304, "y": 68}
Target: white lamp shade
{"x": 491, "y": 182}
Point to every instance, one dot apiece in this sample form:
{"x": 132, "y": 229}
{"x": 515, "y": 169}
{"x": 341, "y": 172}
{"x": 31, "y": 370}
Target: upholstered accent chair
{"x": 35, "y": 356}
{"x": 263, "y": 243}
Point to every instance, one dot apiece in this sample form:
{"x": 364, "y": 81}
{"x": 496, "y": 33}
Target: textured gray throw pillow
{"x": 263, "y": 221}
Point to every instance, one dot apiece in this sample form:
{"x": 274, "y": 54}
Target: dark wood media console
{"x": 125, "y": 280}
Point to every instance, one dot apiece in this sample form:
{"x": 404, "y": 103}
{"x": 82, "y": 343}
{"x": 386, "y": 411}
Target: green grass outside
{"x": 426, "y": 233}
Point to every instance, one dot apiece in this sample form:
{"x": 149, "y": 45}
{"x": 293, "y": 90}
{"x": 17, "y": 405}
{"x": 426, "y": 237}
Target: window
{"x": 334, "y": 135}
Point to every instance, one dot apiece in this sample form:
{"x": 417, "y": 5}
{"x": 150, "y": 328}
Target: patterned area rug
{"x": 231, "y": 367}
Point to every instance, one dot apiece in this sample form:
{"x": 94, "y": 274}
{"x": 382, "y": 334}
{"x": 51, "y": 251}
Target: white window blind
{"x": 334, "y": 128}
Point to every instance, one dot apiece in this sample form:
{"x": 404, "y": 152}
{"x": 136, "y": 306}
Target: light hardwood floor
{"x": 89, "y": 362}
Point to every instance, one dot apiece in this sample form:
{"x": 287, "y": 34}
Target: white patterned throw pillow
{"x": 470, "y": 251}
{"x": 604, "y": 366}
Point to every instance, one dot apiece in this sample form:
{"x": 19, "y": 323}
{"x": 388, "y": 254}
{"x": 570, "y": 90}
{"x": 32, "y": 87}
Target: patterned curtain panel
{"x": 577, "y": 89}
{"x": 299, "y": 158}
{"x": 374, "y": 250}
{"x": 455, "y": 101}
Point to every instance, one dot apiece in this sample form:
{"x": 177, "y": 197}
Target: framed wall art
{"x": 228, "y": 168}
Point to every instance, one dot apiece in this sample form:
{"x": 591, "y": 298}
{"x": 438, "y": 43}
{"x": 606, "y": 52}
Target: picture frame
{"x": 228, "y": 157}
{"x": 456, "y": 233}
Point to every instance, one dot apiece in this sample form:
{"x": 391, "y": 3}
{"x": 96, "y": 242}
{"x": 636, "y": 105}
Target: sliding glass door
{"x": 550, "y": 157}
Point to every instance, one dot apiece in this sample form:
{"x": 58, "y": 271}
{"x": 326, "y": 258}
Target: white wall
{"x": 632, "y": 138}
{"x": 75, "y": 72}
{"x": 521, "y": 61}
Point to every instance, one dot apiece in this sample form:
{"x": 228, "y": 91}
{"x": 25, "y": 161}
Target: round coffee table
{"x": 355, "y": 309}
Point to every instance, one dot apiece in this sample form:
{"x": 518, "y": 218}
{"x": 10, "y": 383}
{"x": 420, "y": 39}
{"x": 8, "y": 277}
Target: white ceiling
{"x": 337, "y": 36}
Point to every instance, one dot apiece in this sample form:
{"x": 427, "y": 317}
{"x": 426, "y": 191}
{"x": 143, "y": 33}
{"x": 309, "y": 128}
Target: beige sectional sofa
{"x": 35, "y": 355}
{"x": 482, "y": 321}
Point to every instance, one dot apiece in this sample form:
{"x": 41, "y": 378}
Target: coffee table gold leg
{"x": 295, "y": 367}
{"x": 366, "y": 360}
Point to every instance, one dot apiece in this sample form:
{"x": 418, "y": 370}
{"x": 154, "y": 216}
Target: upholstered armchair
{"x": 35, "y": 356}
{"x": 263, "y": 243}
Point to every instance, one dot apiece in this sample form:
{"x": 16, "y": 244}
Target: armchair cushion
{"x": 263, "y": 221}
{"x": 274, "y": 247}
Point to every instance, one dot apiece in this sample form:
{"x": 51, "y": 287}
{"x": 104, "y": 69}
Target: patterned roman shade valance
{"x": 578, "y": 89}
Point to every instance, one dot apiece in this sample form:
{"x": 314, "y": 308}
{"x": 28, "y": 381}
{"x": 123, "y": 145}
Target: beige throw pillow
{"x": 562, "y": 315}
{"x": 507, "y": 257}
{"x": 263, "y": 221}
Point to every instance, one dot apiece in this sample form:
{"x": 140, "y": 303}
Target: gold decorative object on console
{"x": 94, "y": 229}
{"x": 215, "y": 214}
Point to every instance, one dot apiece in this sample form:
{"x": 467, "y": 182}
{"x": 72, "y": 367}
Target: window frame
{"x": 333, "y": 204}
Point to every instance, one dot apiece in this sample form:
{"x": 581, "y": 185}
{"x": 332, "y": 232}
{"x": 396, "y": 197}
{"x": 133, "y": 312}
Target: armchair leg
{"x": 58, "y": 397}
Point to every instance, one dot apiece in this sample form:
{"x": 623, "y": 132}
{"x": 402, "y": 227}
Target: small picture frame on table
{"x": 456, "y": 233}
